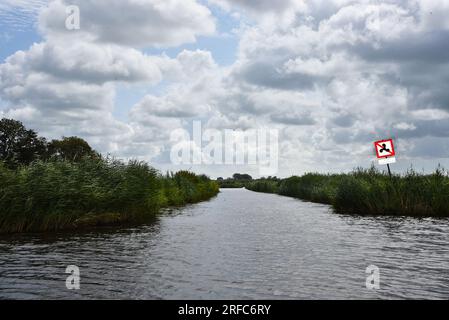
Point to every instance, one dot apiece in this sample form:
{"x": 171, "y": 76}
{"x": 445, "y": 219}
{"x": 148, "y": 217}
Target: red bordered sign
{"x": 384, "y": 149}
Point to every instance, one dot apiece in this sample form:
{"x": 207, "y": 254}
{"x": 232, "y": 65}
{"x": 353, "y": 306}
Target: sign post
{"x": 389, "y": 170}
{"x": 385, "y": 153}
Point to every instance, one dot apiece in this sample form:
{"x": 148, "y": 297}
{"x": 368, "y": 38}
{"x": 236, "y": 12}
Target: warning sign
{"x": 384, "y": 148}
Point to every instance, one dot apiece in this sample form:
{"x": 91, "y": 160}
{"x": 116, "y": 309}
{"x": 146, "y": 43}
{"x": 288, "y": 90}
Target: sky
{"x": 331, "y": 77}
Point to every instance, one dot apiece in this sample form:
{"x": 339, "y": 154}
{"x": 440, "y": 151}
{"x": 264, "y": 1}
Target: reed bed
{"x": 369, "y": 192}
{"x": 56, "y": 195}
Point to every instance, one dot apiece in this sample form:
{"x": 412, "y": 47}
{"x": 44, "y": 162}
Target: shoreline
{"x": 367, "y": 192}
{"x": 62, "y": 195}
{"x": 97, "y": 221}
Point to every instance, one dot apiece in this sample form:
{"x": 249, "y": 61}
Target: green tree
{"x": 19, "y": 146}
{"x": 242, "y": 177}
{"x": 70, "y": 149}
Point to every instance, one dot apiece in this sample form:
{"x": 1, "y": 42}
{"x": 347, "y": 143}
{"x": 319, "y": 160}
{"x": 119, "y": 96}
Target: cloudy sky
{"x": 331, "y": 76}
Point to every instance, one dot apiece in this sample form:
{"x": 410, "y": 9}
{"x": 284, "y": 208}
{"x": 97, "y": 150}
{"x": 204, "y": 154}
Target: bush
{"x": 311, "y": 187}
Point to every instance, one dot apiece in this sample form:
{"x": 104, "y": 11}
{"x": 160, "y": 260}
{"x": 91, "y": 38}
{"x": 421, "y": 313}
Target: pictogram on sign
{"x": 384, "y": 148}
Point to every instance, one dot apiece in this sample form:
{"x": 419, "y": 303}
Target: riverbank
{"x": 59, "y": 195}
{"x": 368, "y": 192}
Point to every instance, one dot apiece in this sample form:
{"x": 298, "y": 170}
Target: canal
{"x": 239, "y": 245}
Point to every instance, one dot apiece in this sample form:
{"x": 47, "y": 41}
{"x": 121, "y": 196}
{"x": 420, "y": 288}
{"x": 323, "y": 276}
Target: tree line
{"x": 20, "y": 146}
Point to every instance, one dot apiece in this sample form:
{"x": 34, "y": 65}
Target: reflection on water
{"x": 240, "y": 245}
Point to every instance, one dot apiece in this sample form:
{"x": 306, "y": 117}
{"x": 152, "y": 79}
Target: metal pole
{"x": 389, "y": 170}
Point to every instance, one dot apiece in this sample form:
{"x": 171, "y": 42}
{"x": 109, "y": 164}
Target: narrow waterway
{"x": 239, "y": 245}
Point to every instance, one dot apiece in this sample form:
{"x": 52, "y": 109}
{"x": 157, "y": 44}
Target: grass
{"x": 186, "y": 187}
{"x": 56, "y": 195}
{"x": 369, "y": 192}
{"x": 264, "y": 185}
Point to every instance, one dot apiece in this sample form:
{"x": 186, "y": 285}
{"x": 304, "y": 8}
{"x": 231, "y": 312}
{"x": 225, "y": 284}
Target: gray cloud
{"x": 256, "y": 5}
{"x": 268, "y": 75}
{"x": 145, "y": 23}
{"x": 297, "y": 119}
{"x": 430, "y": 128}
{"x": 430, "y": 148}
{"x": 345, "y": 121}
{"x": 414, "y": 47}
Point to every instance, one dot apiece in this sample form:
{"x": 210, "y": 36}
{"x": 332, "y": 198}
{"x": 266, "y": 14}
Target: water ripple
{"x": 241, "y": 245}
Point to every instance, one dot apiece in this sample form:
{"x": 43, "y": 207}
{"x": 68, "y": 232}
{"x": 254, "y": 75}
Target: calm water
{"x": 240, "y": 245}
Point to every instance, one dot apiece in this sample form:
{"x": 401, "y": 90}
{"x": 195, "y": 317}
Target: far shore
{"x": 362, "y": 192}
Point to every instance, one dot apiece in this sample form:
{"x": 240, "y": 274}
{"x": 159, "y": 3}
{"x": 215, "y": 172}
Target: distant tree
{"x": 220, "y": 179}
{"x": 70, "y": 149}
{"x": 19, "y": 146}
{"x": 242, "y": 177}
